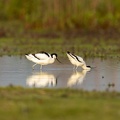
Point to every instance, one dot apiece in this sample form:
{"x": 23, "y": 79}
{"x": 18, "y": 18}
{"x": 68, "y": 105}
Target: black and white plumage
{"x": 77, "y": 61}
{"x": 42, "y": 58}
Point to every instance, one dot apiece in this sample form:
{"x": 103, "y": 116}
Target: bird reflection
{"x": 42, "y": 79}
{"x": 76, "y": 78}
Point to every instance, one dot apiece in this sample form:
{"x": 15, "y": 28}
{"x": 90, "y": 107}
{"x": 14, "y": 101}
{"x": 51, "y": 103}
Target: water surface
{"x": 18, "y": 71}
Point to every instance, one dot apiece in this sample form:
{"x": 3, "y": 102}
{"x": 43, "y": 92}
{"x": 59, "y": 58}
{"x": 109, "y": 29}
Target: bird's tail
{"x": 29, "y": 57}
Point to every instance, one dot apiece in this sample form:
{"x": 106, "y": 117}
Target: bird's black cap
{"x": 54, "y": 54}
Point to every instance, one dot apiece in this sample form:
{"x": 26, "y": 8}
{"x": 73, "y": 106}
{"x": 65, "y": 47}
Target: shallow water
{"x": 18, "y": 71}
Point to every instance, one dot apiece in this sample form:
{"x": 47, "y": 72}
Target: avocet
{"x": 42, "y": 58}
{"x": 77, "y": 61}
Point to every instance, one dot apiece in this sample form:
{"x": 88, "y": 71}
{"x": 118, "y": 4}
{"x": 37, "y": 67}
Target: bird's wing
{"x": 80, "y": 59}
{"x": 42, "y": 55}
{"x": 77, "y": 58}
{"x": 30, "y": 57}
{"x": 70, "y": 55}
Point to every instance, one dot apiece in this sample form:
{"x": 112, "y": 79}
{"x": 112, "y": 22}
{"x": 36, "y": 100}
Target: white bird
{"x": 77, "y": 61}
{"x": 76, "y": 78}
{"x": 42, "y": 58}
{"x": 42, "y": 79}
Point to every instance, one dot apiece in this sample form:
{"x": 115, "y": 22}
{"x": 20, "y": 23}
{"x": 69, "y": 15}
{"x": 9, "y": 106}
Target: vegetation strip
{"x": 22, "y": 103}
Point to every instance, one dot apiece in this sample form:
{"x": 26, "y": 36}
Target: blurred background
{"x": 61, "y": 14}
{"x": 60, "y": 18}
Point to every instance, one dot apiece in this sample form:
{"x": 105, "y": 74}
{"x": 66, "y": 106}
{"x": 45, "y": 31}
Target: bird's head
{"x": 54, "y": 55}
{"x": 89, "y": 66}
{"x": 86, "y": 67}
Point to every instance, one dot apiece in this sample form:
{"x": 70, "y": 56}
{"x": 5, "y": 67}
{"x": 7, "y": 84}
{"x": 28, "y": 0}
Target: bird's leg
{"x": 74, "y": 67}
{"x": 33, "y": 66}
{"x": 40, "y": 67}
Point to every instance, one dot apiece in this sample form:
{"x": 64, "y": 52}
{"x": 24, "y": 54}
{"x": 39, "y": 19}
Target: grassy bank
{"x": 61, "y": 14}
{"x": 35, "y": 104}
{"x": 102, "y": 48}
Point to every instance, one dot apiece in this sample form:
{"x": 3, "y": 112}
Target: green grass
{"x": 46, "y": 104}
{"x": 57, "y": 15}
{"x": 82, "y": 46}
